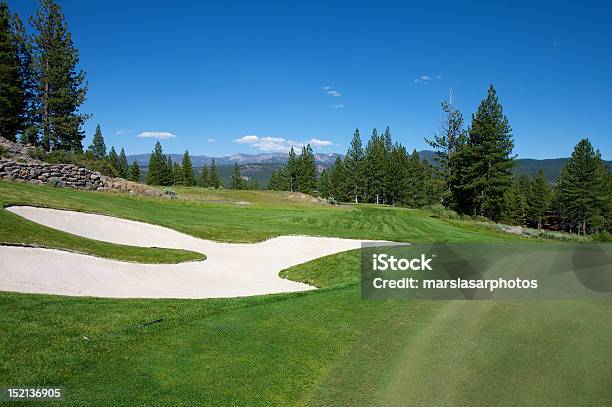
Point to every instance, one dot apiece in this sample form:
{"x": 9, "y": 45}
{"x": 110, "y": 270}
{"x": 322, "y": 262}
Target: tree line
{"x": 472, "y": 174}
{"x": 41, "y": 86}
{"x": 162, "y": 171}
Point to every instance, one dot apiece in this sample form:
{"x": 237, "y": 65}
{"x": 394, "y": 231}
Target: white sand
{"x": 231, "y": 270}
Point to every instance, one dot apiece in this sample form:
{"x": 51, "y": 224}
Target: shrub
{"x": 37, "y": 153}
{"x": 2, "y": 151}
{"x": 56, "y": 182}
{"x": 441, "y": 212}
{"x": 170, "y": 193}
{"x": 603, "y": 236}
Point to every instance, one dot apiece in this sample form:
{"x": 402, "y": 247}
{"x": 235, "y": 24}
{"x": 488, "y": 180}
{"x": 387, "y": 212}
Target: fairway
{"x": 323, "y": 347}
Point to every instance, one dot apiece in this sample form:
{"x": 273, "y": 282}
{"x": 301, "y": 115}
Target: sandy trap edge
{"x": 231, "y": 269}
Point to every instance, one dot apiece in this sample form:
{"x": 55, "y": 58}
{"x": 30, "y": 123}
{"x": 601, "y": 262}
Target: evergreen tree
{"x": 188, "y": 177}
{"x": 355, "y": 168}
{"x": 279, "y": 180}
{"x": 583, "y": 187}
{"x": 416, "y": 182}
{"x": 339, "y": 181}
{"x": 375, "y": 168}
{"x": 448, "y": 144}
{"x": 204, "y": 177}
{"x": 325, "y": 186}
{"x": 487, "y": 155}
{"x": 168, "y": 171}
{"x": 214, "y": 180}
{"x": 400, "y": 184}
{"x": 157, "y": 166}
{"x": 514, "y": 209}
{"x": 236, "y": 181}
{"x": 97, "y": 147}
{"x": 389, "y": 176}
{"x": 307, "y": 171}
{"x": 539, "y": 199}
{"x": 13, "y": 85}
{"x": 292, "y": 171}
{"x": 113, "y": 162}
{"x": 177, "y": 174}
{"x": 61, "y": 87}
{"x": 134, "y": 173}
{"x": 124, "y": 167}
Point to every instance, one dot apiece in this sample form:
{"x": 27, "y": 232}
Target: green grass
{"x": 321, "y": 348}
{"x": 326, "y": 347}
{"x": 15, "y": 230}
{"x": 252, "y": 223}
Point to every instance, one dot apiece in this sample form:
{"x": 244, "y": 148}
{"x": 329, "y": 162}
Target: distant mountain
{"x": 551, "y": 166}
{"x": 323, "y": 160}
{"x": 260, "y": 166}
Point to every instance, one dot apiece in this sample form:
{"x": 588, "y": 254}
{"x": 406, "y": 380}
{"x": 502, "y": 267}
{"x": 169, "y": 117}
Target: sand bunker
{"x": 231, "y": 270}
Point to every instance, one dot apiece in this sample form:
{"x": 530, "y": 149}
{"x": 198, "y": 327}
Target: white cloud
{"x": 319, "y": 143}
{"x": 162, "y": 135}
{"x": 278, "y": 144}
{"x": 330, "y": 91}
{"x": 122, "y": 132}
{"x": 210, "y": 140}
{"x": 247, "y": 139}
{"x": 426, "y": 79}
{"x": 338, "y": 106}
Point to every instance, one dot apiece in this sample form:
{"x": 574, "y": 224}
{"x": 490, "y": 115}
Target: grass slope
{"x": 250, "y": 223}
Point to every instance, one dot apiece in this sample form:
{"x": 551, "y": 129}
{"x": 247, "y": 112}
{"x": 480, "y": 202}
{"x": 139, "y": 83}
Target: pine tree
{"x": 279, "y": 180}
{"x": 236, "y": 181}
{"x": 97, "y": 147}
{"x": 448, "y": 144}
{"x": 61, "y": 87}
{"x": 339, "y": 181}
{"x": 582, "y": 186}
{"x": 398, "y": 166}
{"x": 168, "y": 171}
{"x": 324, "y": 184}
{"x": 292, "y": 171}
{"x": 204, "y": 182}
{"x": 307, "y": 171}
{"x": 538, "y": 199}
{"x": 354, "y": 167}
{"x": 123, "y": 164}
{"x": 134, "y": 173}
{"x": 514, "y": 209}
{"x": 177, "y": 174}
{"x": 487, "y": 155}
{"x": 214, "y": 182}
{"x": 375, "y": 168}
{"x": 416, "y": 181}
{"x": 157, "y": 166}
{"x": 388, "y": 175}
{"x": 113, "y": 162}
{"x": 13, "y": 85}
{"x": 188, "y": 177}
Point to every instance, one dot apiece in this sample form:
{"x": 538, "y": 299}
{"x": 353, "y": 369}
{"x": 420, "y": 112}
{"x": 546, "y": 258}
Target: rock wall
{"x": 17, "y": 165}
{"x": 67, "y": 175}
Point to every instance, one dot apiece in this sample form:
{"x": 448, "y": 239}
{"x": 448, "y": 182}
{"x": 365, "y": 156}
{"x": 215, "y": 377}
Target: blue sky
{"x": 204, "y": 75}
